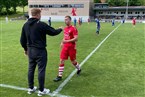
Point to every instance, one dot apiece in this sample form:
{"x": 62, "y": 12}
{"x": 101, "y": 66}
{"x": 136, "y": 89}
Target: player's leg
{"x": 61, "y": 67}
{"x": 31, "y": 70}
{"x": 50, "y": 23}
{"x": 42, "y": 62}
{"x": 72, "y": 54}
{"x": 63, "y": 57}
{"x": 74, "y": 23}
{"x": 97, "y": 31}
{"x": 77, "y": 66}
{"x": 112, "y": 23}
{"x": 133, "y": 24}
{"x": 60, "y": 71}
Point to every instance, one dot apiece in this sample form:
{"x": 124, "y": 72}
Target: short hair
{"x": 35, "y": 11}
{"x": 68, "y": 17}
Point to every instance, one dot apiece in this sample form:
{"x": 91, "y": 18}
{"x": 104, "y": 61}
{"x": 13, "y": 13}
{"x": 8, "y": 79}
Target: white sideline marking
{"x": 25, "y": 89}
{"x": 60, "y": 87}
{"x": 13, "y": 87}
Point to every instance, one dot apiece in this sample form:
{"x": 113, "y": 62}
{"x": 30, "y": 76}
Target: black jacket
{"x": 34, "y": 34}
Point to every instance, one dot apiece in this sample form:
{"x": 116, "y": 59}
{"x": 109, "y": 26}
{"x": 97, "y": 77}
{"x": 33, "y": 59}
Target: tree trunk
{"x": 14, "y": 8}
{"x": 1, "y": 10}
{"x": 23, "y": 9}
{"x": 7, "y": 10}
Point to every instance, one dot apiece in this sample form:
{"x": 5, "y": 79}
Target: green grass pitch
{"x": 116, "y": 69}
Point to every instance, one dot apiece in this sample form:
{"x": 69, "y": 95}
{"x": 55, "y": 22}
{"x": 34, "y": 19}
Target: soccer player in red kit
{"x": 134, "y": 22}
{"x": 79, "y": 21}
{"x": 68, "y": 46}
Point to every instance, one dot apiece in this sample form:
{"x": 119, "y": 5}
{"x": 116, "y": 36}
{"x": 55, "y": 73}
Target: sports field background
{"x": 116, "y": 69}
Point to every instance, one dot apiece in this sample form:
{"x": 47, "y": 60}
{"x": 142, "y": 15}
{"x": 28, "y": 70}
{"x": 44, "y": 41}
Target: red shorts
{"x": 68, "y": 51}
{"x": 133, "y": 23}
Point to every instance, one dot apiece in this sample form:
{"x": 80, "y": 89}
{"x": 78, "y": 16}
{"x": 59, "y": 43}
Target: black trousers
{"x": 37, "y": 57}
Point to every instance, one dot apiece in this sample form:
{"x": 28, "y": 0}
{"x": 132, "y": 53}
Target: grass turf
{"x": 115, "y": 70}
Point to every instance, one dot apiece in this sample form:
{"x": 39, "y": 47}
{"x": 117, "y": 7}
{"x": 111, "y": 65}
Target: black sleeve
{"x": 23, "y": 39}
{"x": 51, "y": 31}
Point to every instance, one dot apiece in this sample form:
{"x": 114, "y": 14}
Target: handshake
{"x": 61, "y": 27}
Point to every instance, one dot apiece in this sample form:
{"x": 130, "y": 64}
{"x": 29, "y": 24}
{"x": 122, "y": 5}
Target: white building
{"x": 57, "y": 9}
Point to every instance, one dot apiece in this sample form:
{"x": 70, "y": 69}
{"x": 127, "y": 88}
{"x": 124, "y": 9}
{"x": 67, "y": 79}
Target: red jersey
{"x": 134, "y": 20}
{"x": 69, "y": 33}
{"x": 73, "y": 12}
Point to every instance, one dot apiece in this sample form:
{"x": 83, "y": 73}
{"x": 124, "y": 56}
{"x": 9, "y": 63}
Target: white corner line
{"x": 25, "y": 89}
{"x": 60, "y": 87}
{"x": 13, "y": 87}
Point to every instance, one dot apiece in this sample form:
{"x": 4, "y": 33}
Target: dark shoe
{"x": 58, "y": 78}
{"x": 78, "y": 72}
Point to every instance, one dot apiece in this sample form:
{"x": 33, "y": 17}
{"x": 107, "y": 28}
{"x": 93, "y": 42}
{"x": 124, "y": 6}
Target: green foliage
{"x": 9, "y": 6}
{"x": 134, "y": 2}
{"x": 124, "y": 2}
{"x": 97, "y": 1}
{"x": 1, "y": 5}
{"x": 14, "y": 4}
{"x": 116, "y": 2}
{"x": 22, "y": 4}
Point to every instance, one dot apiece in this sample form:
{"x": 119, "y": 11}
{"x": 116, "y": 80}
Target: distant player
{"x": 134, "y": 22}
{"x": 73, "y": 12}
{"x": 49, "y": 21}
{"x": 68, "y": 45}
{"x": 123, "y": 20}
{"x": 75, "y": 21}
{"x": 89, "y": 20}
{"x": 79, "y": 21}
{"x": 113, "y": 22}
{"x": 7, "y": 20}
{"x": 97, "y": 25}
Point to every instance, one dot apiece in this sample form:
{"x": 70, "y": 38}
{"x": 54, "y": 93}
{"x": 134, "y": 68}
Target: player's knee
{"x": 61, "y": 61}
{"x": 74, "y": 62}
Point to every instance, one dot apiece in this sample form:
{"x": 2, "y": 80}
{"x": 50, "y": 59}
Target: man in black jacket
{"x": 33, "y": 40}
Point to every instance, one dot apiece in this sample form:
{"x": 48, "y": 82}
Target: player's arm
{"x": 61, "y": 44}
{"x": 23, "y": 40}
{"x": 51, "y": 31}
{"x": 71, "y": 40}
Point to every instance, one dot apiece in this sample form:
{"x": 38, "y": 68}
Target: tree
{"x": 7, "y": 5}
{"x": 123, "y": 2}
{"x": 134, "y": 2}
{"x": 116, "y": 2}
{"x": 14, "y": 4}
{"x": 1, "y": 6}
{"x": 97, "y": 1}
{"x": 143, "y": 2}
{"x": 23, "y": 3}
